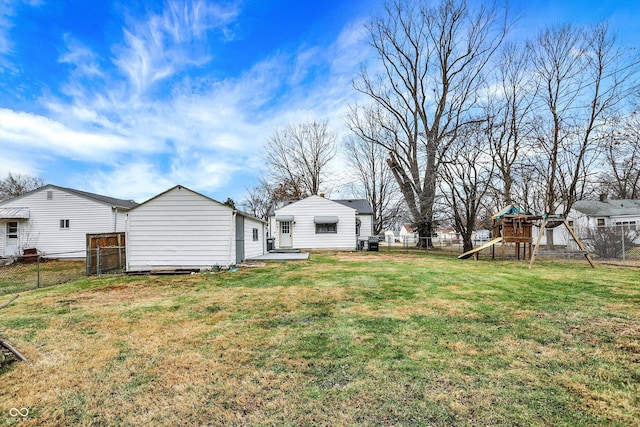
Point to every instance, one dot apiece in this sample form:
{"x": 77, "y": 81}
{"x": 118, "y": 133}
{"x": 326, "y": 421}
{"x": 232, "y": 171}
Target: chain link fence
{"x": 617, "y": 244}
{"x": 32, "y": 271}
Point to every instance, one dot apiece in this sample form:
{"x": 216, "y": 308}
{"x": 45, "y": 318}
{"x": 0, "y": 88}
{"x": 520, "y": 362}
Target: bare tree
{"x": 508, "y": 123}
{"x": 467, "y": 175}
{"x": 582, "y": 78}
{"x": 374, "y": 179}
{"x": 621, "y": 179}
{"x": 297, "y": 157}
{"x": 16, "y": 184}
{"x": 432, "y": 59}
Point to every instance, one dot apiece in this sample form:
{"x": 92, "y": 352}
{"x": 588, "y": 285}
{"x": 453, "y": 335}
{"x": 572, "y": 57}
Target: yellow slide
{"x": 479, "y": 248}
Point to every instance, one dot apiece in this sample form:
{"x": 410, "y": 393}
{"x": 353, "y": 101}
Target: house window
{"x": 326, "y": 228}
{"x": 285, "y": 227}
{"x": 631, "y": 225}
{"x": 571, "y": 224}
{"x": 600, "y": 222}
{"x": 255, "y": 234}
{"x": 64, "y": 223}
{"x": 49, "y": 195}
{"x": 12, "y": 230}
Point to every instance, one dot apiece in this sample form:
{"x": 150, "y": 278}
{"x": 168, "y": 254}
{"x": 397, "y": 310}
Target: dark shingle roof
{"x": 608, "y": 208}
{"x": 361, "y": 205}
{"x": 128, "y": 204}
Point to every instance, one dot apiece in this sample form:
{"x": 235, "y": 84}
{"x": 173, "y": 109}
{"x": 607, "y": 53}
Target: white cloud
{"x": 33, "y": 131}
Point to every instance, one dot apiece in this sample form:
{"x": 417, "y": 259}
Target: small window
{"x": 255, "y": 234}
{"x": 49, "y": 195}
{"x": 12, "y": 230}
{"x": 326, "y": 228}
{"x": 64, "y": 223}
{"x": 571, "y": 224}
{"x": 600, "y": 222}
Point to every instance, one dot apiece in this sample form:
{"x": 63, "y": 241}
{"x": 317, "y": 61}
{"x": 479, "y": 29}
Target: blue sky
{"x": 129, "y": 98}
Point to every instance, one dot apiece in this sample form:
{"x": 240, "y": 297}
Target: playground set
{"x": 514, "y": 226}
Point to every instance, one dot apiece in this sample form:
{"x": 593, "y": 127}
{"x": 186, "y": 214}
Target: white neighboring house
{"x": 320, "y": 223}
{"x": 408, "y": 234}
{"x": 55, "y": 220}
{"x": 182, "y": 229}
{"x": 605, "y": 212}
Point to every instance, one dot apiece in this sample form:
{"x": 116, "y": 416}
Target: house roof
{"x": 245, "y": 214}
{"x": 112, "y": 201}
{"x": 361, "y": 205}
{"x": 609, "y": 207}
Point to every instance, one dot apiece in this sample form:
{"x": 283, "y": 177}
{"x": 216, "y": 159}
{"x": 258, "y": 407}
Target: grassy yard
{"x": 342, "y": 339}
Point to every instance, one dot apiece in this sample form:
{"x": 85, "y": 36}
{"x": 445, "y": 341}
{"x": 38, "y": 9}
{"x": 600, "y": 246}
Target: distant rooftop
{"x": 608, "y": 207}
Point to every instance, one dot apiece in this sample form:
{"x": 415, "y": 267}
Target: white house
{"x": 408, "y": 234}
{"x": 320, "y": 223}
{"x": 605, "y": 212}
{"x": 56, "y": 220}
{"x": 182, "y": 229}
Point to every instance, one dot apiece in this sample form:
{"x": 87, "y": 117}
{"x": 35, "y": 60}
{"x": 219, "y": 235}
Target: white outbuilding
{"x": 183, "y": 229}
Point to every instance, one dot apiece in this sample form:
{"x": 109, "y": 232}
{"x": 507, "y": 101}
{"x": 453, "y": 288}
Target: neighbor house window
{"x": 631, "y": 225}
{"x": 64, "y": 223}
{"x": 600, "y": 222}
{"x": 49, "y": 195}
{"x": 12, "y": 230}
{"x": 571, "y": 224}
{"x": 255, "y": 234}
{"x": 326, "y": 228}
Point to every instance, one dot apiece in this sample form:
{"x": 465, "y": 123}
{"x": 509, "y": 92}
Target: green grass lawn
{"x": 342, "y": 339}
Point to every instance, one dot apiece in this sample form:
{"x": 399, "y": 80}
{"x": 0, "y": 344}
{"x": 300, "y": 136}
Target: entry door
{"x": 285, "y": 234}
{"x": 12, "y": 244}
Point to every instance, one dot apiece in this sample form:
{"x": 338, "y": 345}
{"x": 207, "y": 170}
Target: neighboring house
{"x": 320, "y": 223}
{"x": 389, "y": 236}
{"x": 408, "y": 234}
{"x": 55, "y": 220}
{"x": 182, "y": 229}
{"x": 605, "y": 212}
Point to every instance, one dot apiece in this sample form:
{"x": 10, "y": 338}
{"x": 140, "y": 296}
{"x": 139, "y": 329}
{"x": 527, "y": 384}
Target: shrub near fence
{"x": 614, "y": 244}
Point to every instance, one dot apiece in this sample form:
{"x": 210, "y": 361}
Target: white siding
{"x": 366, "y": 226}
{"x": 180, "y": 229}
{"x": 42, "y": 230}
{"x": 254, "y": 248}
{"x": 303, "y": 230}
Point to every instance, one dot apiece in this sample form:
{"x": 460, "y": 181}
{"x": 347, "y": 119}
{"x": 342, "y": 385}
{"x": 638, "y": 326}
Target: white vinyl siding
{"x": 254, "y": 248}
{"x": 42, "y": 230}
{"x": 180, "y": 229}
{"x": 366, "y": 225}
{"x": 183, "y": 229}
{"x": 303, "y": 228}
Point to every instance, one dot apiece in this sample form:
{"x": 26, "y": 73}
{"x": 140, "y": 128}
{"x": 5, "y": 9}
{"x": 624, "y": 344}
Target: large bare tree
{"x": 431, "y": 57}
{"x": 16, "y": 184}
{"x": 297, "y": 158}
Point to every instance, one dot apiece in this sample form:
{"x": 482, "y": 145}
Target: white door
{"x": 12, "y": 244}
{"x": 285, "y": 234}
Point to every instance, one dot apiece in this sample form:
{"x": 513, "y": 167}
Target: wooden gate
{"x": 106, "y": 253}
